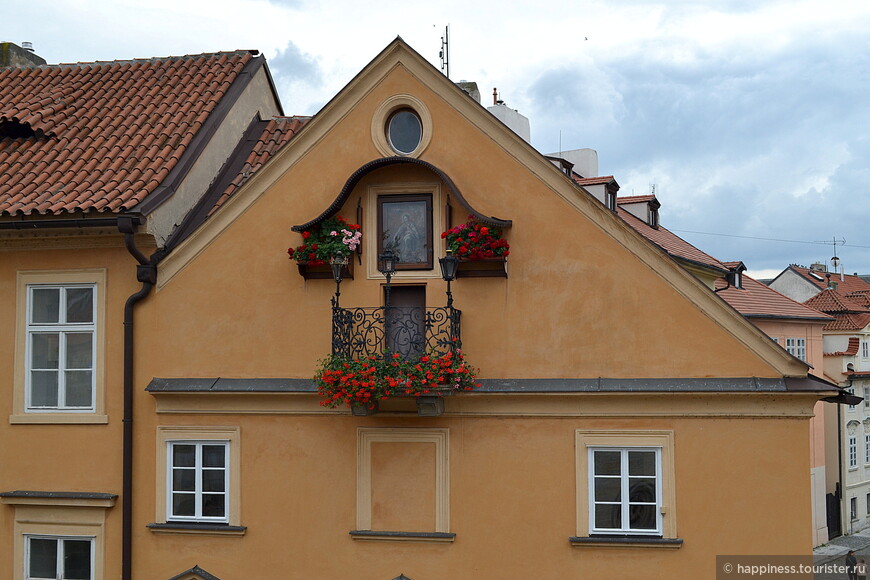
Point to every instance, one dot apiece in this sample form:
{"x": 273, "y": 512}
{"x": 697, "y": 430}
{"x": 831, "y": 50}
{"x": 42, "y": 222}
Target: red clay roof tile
{"x": 851, "y": 350}
{"x": 757, "y": 300}
{"x": 834, "y": 302}
{"x": 277, "y": 133}
{"x": 103, "y": 129}
{"x": 849, "y": 283}
{"x": 670, "y": 242}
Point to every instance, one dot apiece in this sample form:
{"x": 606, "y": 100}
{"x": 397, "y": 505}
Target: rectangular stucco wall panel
{"x": 403, "y": 486}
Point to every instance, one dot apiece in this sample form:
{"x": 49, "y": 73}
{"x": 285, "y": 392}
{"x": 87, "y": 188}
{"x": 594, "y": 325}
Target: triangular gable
{"x": 195, "y": 573}
{"x": 399, "y": 63}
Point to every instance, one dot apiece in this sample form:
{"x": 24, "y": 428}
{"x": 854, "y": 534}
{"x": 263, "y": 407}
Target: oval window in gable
{"x": 404, "y": 131}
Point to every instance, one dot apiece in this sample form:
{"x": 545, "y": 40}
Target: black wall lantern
{"x": 387, "y": 267}
{"x": 449, "y": 265}
{"x": 338, "y": 263}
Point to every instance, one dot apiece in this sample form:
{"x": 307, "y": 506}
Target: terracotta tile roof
{"x": 834, "y": 302}
{"x": 629, "y": 199}
{"x": 849, "y": 283}
{"x": 849, "y": 314}
{"x": 277, "y": 133}
{"x": 849, "y": 322}
{"x": 756, "y": 300}
{"x": 592, "y": 180}
{"x": 851, "y": 350}
{"x": 107, "y": 133}
{"x": 670, "y": 242}
{"x": 862, "y": 298}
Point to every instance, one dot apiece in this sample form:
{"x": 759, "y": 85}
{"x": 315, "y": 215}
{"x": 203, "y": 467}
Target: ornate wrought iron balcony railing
{"x": 380, "y": 331}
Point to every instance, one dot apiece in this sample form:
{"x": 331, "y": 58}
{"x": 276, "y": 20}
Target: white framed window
{"x": 853, "y": 508}
{"x": 59, "y": 558}
{"x": 853, "y": 452}
{"x": 61, "y": 348}
{"x": 867, "y": 448}
{"x": 625, "y": 490}
{"x": 625, "y": 485}
{"x": 865, "y": 349}
{"x": 868, "y": 504}
{"x": 797, "y": 347}
{"x": 851, "y": 391}
{"x": 198, "y": 481}
{"x": 867, "y": 397}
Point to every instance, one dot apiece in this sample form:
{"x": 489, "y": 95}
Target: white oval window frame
{"x": 382, "y": 116}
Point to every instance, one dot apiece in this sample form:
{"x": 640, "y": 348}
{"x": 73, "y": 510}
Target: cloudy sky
{"x": 751, "y": 117}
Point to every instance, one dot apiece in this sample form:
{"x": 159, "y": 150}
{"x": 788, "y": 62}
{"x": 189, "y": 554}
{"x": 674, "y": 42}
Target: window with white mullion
{"x": 853, "y": 451}
{"x": 61, "y": 348}
{"x": 198, "y": 481}
{"x": 625, "y": 490}
{"x": 59, "y": 558}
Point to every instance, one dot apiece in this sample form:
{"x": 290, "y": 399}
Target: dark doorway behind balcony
{"x": 405, "y": 321}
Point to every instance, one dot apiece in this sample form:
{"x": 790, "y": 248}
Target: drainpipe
{"x": 146, "y": 273}
{"x": 841, "y": 472}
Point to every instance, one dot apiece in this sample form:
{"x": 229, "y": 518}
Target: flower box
{"x": 483, "y": 268}
{"x": 324, "y": 271}
{"x": 363, "y": 410}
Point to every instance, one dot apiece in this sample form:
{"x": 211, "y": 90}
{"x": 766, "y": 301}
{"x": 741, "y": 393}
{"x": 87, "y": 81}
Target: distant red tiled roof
{"x": 850, "y": 315}
{"x": 851, "y": 350}
{"x": 834, "y": 302}
{"x": 757, "y": 300}
{"x": 116, "y": 129}
{"x": 593, "y": 180}
{"x": 277, "y": 133}
{"x": 862, "y": 298}
{"x": 628, "y": 199}
{"x": 849, "y": 322}
{"x": 848, "y": 284}
{"x": 670, "y": 242}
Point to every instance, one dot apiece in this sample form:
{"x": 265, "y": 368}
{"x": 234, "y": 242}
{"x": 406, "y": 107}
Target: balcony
{"x": 380, "y": 332}
{"x": 402, "y": 349}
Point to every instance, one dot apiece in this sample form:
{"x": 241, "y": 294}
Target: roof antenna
{"x": 444, "y": 53}
{"x": 835, "y": 261}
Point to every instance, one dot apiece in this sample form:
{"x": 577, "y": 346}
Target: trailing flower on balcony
{"x": 474, "y": 240}
{"x": 331, "y": 237}
{"x": 365, "y": 381}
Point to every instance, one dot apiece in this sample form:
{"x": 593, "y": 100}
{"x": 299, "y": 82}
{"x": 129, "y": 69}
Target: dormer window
{"x": 734, "y": 277}
{"x": 653, "y": 216}
{"x": 610, "y": 198}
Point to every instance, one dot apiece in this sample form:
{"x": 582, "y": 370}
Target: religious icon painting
{"x": 405, "y": 227}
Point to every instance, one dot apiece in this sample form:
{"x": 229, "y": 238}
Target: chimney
{"x": 470, "y": 87}
{"x": 819, "y": 267}
{"x": 585, "y": 161}
{"x": 510, "y": 117}
{"x": 21, "y": 56}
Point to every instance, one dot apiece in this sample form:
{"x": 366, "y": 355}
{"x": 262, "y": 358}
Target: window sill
{"x": 626, "y": 542}
{"x": 58, "y": 419}
{"x": 437, "y": 537}
{"x": 195, "y": 528}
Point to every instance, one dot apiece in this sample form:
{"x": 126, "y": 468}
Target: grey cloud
{"x": 782, "y": 120}
{"x": 295, "y": 66}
